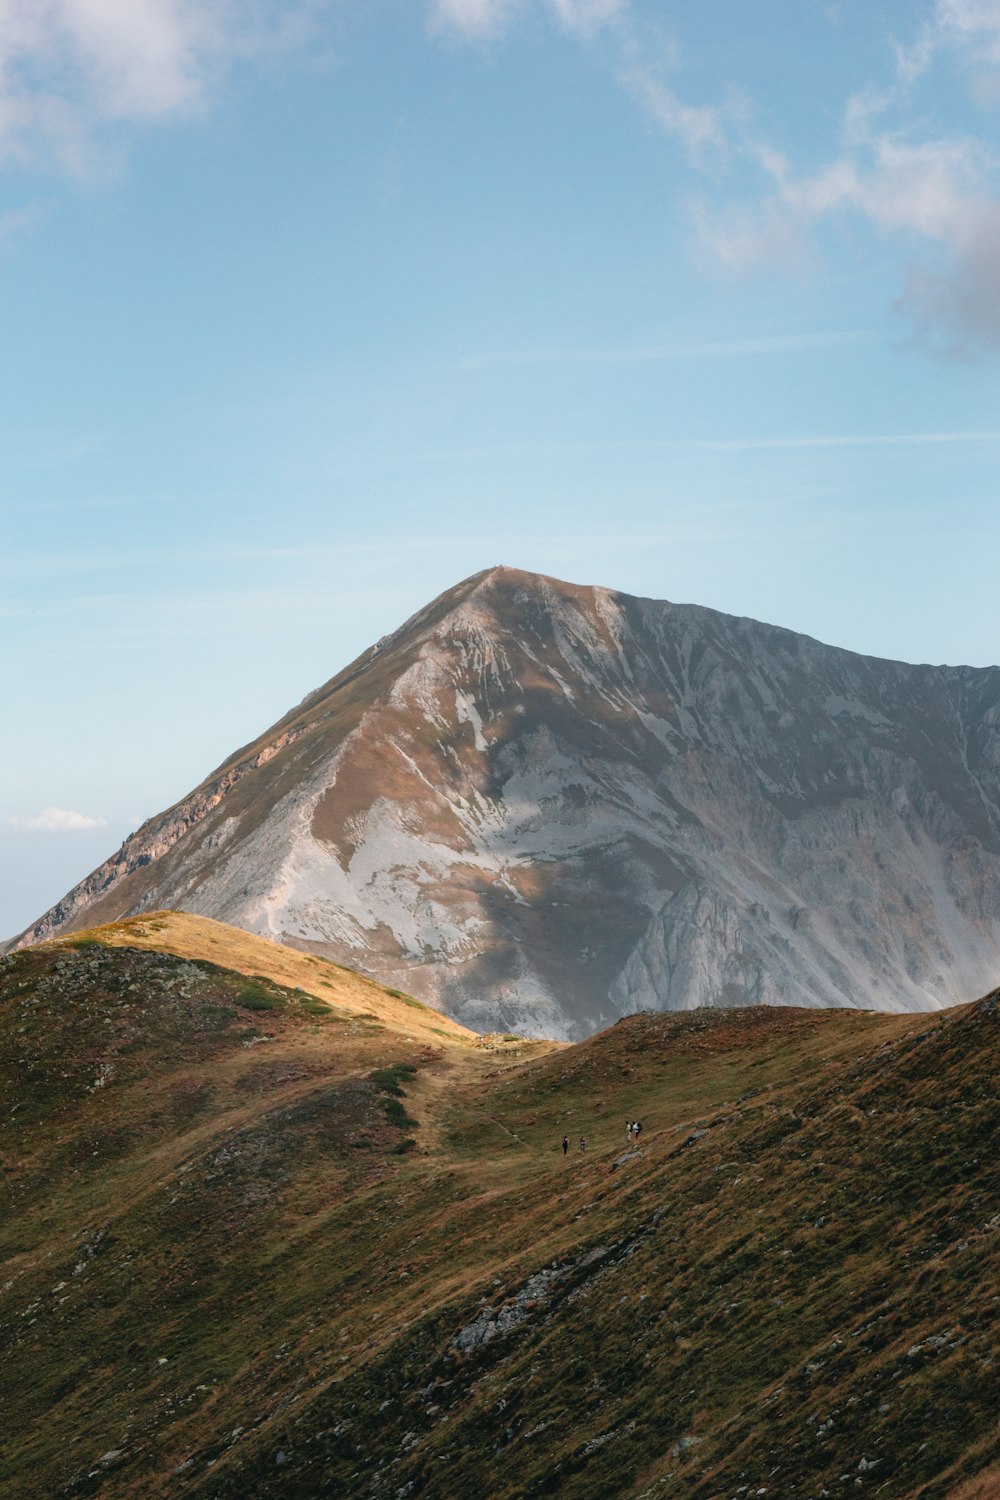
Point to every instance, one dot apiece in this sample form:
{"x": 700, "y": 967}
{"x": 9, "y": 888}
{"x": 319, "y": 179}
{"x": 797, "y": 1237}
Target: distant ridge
{"x": 539, "y": 806}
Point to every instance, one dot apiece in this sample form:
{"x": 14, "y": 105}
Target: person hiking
{"x": 637, "y": 1129}
{"x": 565, "y": 1144}
{"x": 628, "y": 1130}
{"x": 583, "y": 1143}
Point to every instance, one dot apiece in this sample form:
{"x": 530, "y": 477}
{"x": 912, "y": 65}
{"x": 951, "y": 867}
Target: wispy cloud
{"x": 71, "y": 68}
{"x": 57, "y": 820}
{"x": 971, "y": 24}
{"x": 848, "y": 440}
{"x": 937, "y": 193}
{"x": 15, "y": 221}
{"x": 700, "y": 128}
{"x": 739, "y": 239}
{"x": 476, "y": 20}
{"x": 22, "y": 566}
{"x": 718, "y": 445}
{"x": 936, "y": 197}
{"x": 788, "y": 343}
{"x": 584, "y": 17}
{"x": 486, "y": 20}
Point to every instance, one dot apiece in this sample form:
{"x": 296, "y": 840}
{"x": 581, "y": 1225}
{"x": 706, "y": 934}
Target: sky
{"x": 311, "y": 308}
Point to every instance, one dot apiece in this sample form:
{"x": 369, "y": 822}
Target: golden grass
{"x": 986, "y": 1487}
{"x": 188, "y": 936}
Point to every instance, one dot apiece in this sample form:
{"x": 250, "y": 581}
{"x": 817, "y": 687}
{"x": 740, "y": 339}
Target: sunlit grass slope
{"x": 257, "y": 1244}
{"x": 193, "y": 937}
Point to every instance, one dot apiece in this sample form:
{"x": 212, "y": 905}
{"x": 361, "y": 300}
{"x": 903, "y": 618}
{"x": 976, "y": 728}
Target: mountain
{"x": 267, "y": 1230}
{"x": 540, "y": 806}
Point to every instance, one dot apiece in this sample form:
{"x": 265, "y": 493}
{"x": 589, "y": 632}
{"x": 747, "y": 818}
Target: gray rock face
{"x": 541, "y": 806}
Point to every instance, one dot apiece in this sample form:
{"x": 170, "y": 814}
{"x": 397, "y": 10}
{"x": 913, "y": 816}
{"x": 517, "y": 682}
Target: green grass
{"x": 259, "y": 997}
{"x": 406, "y": 999}
{"x": 389, "y": 1082}
{"x": 397, "y": 1115}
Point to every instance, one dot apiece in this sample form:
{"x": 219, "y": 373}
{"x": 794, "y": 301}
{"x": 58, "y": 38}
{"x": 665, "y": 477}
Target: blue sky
{"x": 310, "y": 309}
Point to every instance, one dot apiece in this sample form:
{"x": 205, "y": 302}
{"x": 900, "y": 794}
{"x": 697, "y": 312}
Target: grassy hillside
{"x": 270, "y": 1230}
{"x": 200, "y": 938}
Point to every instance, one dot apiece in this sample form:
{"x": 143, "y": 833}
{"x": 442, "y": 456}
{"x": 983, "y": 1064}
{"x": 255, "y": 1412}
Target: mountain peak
{"x": 540, "y": 805}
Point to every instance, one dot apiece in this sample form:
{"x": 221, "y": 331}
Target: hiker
{"x": 628, "y": 1130}
{"x": 565, "y": 1144}
{"x": 583, "y": 1143}
{"x": 637, "y": 1129}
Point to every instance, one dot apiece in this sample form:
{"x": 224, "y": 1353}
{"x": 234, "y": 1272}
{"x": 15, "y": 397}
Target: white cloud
{"x": 970, "y": 31}
{"x": 699, "y": 127}
{"x": 971, "y": 23}
{"x": 479, "y": 20}
{"x": 738, "y": 239}
{"x": 936, "y": 197}
{"x": 485, "y": 20}
{"x": 934, "y": 189}
{"x": 584, "y": 17}
{"x": 70, "y": 67}
{"x": 58, "y": 820}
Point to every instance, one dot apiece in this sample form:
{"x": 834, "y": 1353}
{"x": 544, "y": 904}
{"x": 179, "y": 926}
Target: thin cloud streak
{"x": 852, "y": 440}
{"x": 496, "y": 546}
{"x": 717, "y": 445}
{"x": 20, "y": 566}
{"x": 792, "y": 343}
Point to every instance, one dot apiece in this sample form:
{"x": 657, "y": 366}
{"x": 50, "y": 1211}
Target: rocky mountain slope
{"x": 542, "y": 806}
{"x": 266, "y": 1230}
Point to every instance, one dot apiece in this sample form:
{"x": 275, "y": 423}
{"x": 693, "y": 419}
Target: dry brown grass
{"x": 985, "y": 1487}
{"x": 220, "y": 1245}
{"x": 188, "y": 936}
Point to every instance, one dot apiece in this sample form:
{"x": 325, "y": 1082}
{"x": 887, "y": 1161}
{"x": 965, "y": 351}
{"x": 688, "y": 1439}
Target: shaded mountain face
{"x": 541, "y": 806}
